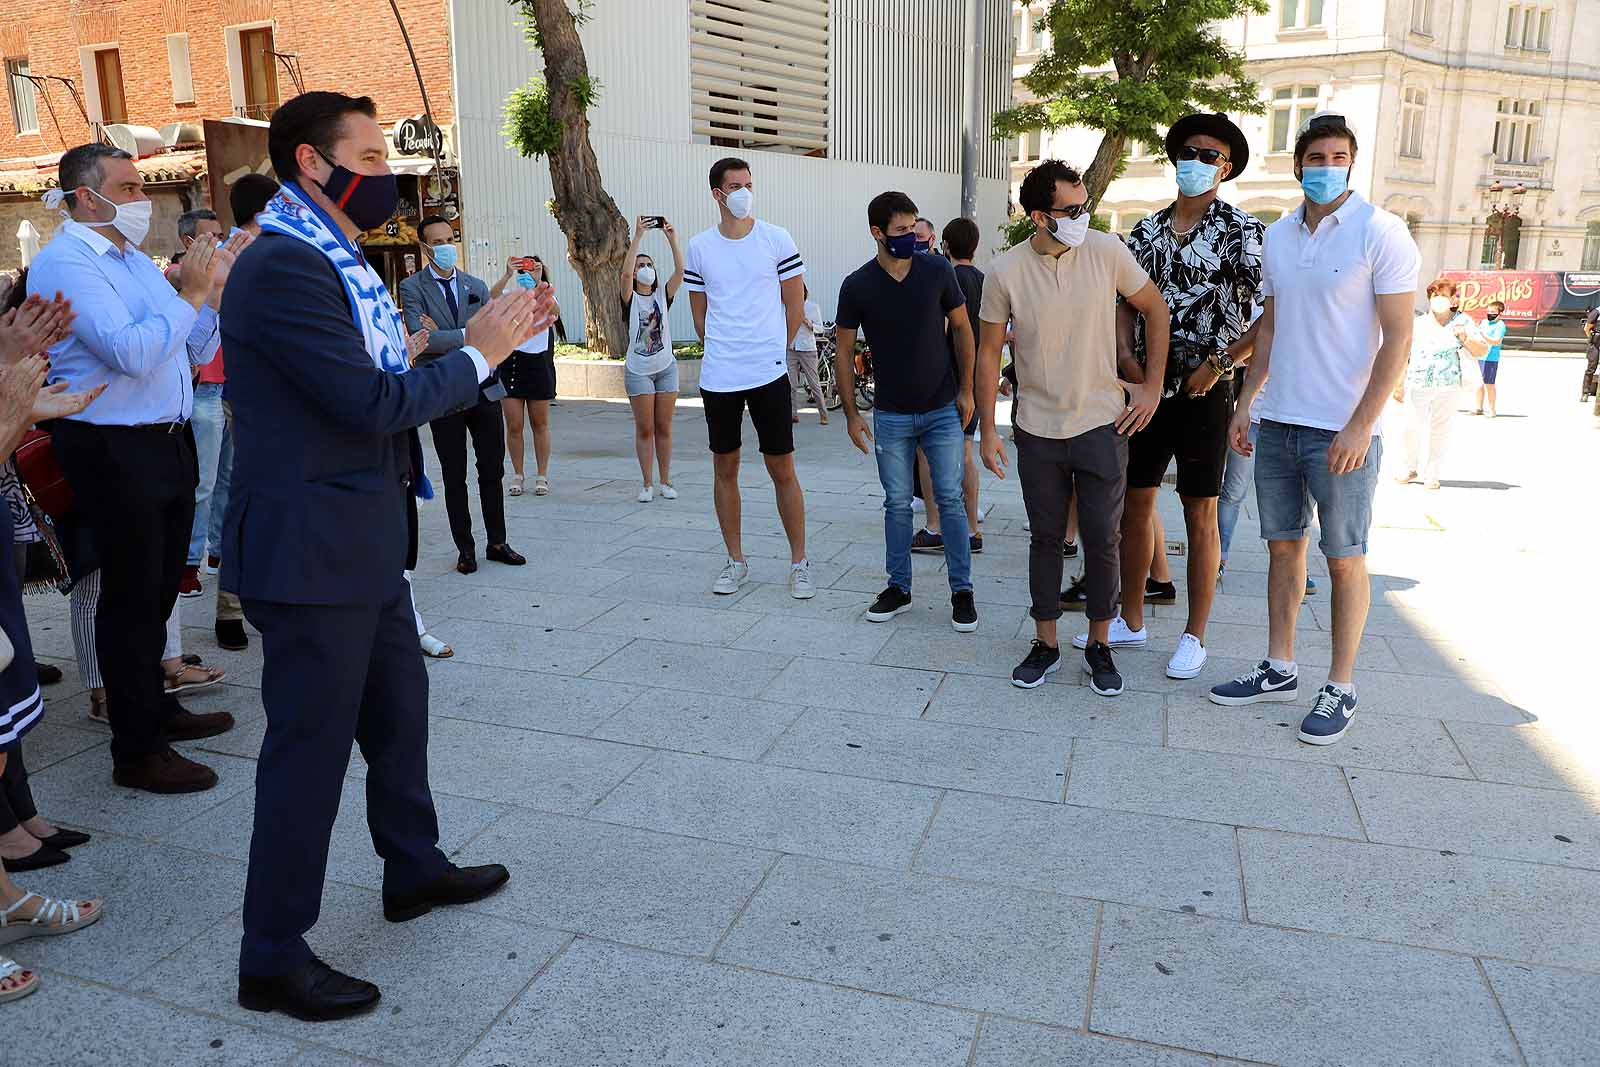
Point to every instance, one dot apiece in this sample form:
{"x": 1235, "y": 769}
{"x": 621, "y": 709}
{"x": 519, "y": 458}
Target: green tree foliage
{"x": 1130, "y": 69}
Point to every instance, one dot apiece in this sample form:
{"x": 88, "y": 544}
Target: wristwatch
{"x": 1221, "y": 362}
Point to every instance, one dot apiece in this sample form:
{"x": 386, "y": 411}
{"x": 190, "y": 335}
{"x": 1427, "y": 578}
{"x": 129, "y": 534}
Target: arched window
{"x": 1412, "y": 112}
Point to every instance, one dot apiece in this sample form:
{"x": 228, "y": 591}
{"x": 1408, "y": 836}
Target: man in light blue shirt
{"x": 130, "y": 456}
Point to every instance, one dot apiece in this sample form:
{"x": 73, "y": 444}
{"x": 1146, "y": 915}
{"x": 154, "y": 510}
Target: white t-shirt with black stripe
{"x": 747, "y": 332}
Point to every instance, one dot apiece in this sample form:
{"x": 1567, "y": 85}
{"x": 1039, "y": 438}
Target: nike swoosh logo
{"x": 1269, "y": 686}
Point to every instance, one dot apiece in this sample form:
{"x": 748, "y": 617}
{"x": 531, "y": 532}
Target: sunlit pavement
{"x": 754, "y": 830}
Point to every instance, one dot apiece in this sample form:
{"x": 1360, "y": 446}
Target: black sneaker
{"x": 1101, "y": 668}
{"x": 1258, "y": 683}
{"x": 925, "y": 540}
{"x": 1069, "y": 549}
{"x": 891, "y": 602}
{"x": 1160, "y": 592}
{"x": 1330, "y": 716}
{"x": 1042, "y": 660}
{"x": 1075, "y": 596}
{"x": 975, "y": 542}
{"x": 963, "y": 613}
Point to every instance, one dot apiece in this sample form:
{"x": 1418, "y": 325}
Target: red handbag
{"x": 40, "y": 471}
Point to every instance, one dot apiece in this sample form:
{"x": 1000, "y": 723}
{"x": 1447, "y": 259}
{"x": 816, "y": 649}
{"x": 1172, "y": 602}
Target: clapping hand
{"x": 54, "y": 402}
{"x": 226, "y": 256}
{"x": 415, "y": 343}
{"x": 196, "y": 274}
{"x": 34, "y": 326}
{"x": 507, "y": 320}
{"x": 19, "y": 386}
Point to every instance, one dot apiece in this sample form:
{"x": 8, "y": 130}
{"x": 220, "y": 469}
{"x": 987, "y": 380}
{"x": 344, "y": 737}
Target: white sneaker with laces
{"x": 1189, "y": 659}
{"x": 647, "y": 494}
{"x": 1121, "y": 636}
{"x": 801, "y": 586}
{"x": 667, "y": 492}
{"x": 731, "y": 578}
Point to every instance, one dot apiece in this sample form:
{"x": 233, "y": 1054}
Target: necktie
{"x": 450, "y": 298}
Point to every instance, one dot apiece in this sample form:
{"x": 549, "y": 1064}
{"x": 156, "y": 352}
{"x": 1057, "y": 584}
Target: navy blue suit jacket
{"x": 321, "y": 453}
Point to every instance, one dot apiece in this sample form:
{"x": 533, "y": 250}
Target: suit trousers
{"x": 483, "y": 422}
{"x": 134, "y": 487}
{"x": 334, "y": 675}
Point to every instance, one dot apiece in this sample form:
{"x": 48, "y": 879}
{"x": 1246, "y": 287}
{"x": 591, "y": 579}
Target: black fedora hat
{"x": 1218, "y": 126}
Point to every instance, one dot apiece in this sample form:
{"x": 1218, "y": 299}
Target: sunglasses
{"x": 1209, "y": 156}
{"x": 1071, "y": 212}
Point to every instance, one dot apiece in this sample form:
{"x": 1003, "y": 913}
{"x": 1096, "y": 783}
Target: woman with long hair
{"x": 651, "y": 372}
{"x": 530, "y": 380}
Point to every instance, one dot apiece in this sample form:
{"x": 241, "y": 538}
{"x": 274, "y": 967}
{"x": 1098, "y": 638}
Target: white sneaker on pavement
{"x": 801, "y": 586}
{"x": 647, "y": 494}
{"x": 731, "y": 578}
{"x": 1121, "y": 636}
{"x": 1189, "y": 659}
{"x": 667, "y": 492}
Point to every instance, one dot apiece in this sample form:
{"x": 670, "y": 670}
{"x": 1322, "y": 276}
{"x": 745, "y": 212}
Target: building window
{"x": 1411, "y": 116}
{"x": 1019, "y": 22}
{"x": 1422, "y": 17}
{"x": 1490, "y": 256}
{"x": 1516, "y": 130}
{"x": 24, "y": 110}
{"x": 258, "y": 64}
{"x": 1022, "y": 147}
{"x": 178, "y": 63}
{"x": 1299, "y": 14}
{"x": 108, "y": 73}
{"x": 1591, "y": 247}
{"x": 760, "y": 81}
{"x": 1528, "y": 27}
{"x": 1413, "y": 222}
{"x": 1291, "y": 106}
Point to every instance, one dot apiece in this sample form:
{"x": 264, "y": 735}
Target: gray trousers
{"x": 1094, "y": 466}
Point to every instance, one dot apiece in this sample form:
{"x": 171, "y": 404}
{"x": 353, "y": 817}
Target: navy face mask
{"x": 901, "y": 246}
{"x": 367, "y": 199}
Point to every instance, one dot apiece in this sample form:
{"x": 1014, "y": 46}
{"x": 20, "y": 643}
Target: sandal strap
{"x": 9, "y": 967}
{"x": 5, "y": 914}
{"x": 50, "y": 912}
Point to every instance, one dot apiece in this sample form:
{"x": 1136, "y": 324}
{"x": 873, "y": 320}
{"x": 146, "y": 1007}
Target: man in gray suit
{"x": 441, "y": 299}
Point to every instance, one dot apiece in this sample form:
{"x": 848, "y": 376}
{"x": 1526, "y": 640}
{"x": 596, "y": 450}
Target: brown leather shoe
{"x": 187, "y": 726}
{"x": 164, "y": 772}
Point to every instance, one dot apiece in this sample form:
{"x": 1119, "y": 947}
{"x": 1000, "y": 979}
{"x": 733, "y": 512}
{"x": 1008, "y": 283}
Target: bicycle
{"x": 827, "y": 346}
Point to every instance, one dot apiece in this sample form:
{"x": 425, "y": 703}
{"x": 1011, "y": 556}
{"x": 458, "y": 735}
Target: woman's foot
{"x": 434, "y": 648}
{"x": 822, "y": 419}
{"x": 541, "y": 486}
{"x": 31, "y": 915}
{"x": 647, "y": 494}
{"x": 97, "y": 707}
{"x": 15, "y": 981}
{"x": 17, "y": 843}
{"x": 38, "y": 827}
{"x": 1407, "y": 478}
{"x": 1431, "y": 485}
{"x": 516, "y": 485}
{"x": 186, "y": 679}
{"x": 795, "y": 419}
{"x": 667, "y": 492}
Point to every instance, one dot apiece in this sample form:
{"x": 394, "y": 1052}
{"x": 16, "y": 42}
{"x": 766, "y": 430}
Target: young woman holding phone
{"x": 530, "y": 380}
{"x": 651, "y": 372}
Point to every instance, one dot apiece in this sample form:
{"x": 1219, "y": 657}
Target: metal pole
{"x": 972, "y": 126}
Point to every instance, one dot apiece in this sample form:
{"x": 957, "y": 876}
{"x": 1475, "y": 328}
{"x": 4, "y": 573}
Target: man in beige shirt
{"x": 1072, "y": 416}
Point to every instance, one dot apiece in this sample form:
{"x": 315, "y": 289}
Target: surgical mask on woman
{"x": 1439, "y": 305}
{"x": 645, "y": 276}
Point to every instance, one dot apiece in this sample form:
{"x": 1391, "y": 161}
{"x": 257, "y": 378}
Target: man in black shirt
{"x": 924, "y": 398}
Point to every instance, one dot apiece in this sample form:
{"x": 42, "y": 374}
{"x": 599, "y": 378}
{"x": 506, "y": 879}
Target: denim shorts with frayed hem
{"x": 1292, "y": 474}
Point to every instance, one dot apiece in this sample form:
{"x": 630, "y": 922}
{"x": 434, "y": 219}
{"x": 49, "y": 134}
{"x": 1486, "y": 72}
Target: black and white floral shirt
{"x": 1210, "y": 277}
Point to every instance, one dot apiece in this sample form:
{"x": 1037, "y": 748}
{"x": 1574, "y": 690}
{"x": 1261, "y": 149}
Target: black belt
{"x": 158, "y": 427}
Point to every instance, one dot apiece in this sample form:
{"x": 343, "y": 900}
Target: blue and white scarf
{"x": 292, "y": 214}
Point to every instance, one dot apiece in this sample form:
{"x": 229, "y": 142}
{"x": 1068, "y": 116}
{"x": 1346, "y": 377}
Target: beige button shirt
{"x": 1063, "y": 311}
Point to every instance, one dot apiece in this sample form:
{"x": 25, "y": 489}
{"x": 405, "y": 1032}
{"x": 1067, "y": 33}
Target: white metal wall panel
{"x": 897, "y": 82}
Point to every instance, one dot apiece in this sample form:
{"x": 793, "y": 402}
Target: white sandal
{"x": 50, "y": 918}
{"x": 435, "y": 648}
{"x": 11, "y": 969}
{"x": 541, "y": 486}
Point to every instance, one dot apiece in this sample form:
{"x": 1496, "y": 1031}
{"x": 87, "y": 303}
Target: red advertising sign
{"x": 1529, "y": 295}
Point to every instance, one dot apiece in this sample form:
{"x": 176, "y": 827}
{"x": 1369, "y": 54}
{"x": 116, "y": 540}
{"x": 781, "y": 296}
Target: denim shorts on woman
{"x": 665, "y": 381}
{"x": 1292, "y": 474}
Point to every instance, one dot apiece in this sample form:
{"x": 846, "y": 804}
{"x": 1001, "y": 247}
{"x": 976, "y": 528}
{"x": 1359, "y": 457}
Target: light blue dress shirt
{"x": 133, "y": 331}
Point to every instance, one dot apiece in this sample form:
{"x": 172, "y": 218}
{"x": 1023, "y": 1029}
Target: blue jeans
{"x": 1292, "y": 474}
{"x": 1236, "y": 479}
{"x": 939, "y": 434}
{"x": 213, "y": 446}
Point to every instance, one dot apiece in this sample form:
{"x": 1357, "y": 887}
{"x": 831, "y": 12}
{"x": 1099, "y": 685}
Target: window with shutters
{"x": 1411, "y": 122}
{"x": 1516, "y": 131}
{"x": 1528, "y": 27}
{"x": 759, "y": 74}
{"x": 182, "y": 73}
{"x": 24, "y": 109}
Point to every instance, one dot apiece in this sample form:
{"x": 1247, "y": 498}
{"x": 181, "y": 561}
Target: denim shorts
{"x": 1292, "y": 474}
{"x": 664, "y": 381}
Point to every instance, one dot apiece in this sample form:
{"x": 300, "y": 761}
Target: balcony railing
{"x": 262, "y": 111}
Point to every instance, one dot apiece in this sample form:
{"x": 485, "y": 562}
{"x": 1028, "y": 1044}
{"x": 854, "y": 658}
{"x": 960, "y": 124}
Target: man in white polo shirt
{"x": 1339, "y": 278}
{"x": 745, "y": 289}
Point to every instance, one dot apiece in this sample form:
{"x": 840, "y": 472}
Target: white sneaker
{"x": 1121, "y": 636}
{"x": 647, "y": 494}
{"x": 731, "y": 578}
{"x": 1189, "y": 659}
{"x": 800, "y": 585}
{"x": 667, "y": 492}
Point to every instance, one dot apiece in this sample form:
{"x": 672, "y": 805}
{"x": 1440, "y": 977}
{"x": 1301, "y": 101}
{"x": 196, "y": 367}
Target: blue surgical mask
{"x": 525, "y": 280}
{"x": 1324, "y": 185}
{"x": 1196, "y": 178}
{"x": 445, "y": 256}
{"x": 901, "y": 246}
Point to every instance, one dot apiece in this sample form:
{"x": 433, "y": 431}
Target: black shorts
{"x": 1195, "y": 430}
{"x": 771, "y": 410}
{"x": 529, "y": 375}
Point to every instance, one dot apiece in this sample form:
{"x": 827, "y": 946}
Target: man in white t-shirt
{"x": 745, "y": 289}
{"x": 1339, "y": 278}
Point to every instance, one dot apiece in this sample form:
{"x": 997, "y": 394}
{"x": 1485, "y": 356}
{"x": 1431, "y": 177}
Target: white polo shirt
{"x": 1324, "y": 288}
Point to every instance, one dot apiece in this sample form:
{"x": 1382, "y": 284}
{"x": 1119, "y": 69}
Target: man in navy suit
{"x": 442, "y": 299}
{"x": 315, "y": 543}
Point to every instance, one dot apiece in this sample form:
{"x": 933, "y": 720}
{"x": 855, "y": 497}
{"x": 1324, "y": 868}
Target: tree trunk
{"x": 1107, "y": 160}
{"x": 597, "y": 233}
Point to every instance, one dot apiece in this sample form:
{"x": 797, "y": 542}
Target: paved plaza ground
{"x": 751, "y": 830}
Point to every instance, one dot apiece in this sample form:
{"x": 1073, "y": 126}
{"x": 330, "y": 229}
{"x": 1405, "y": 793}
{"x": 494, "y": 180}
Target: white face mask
{"x": 738, "y": 203}
{"x": 646, "y": 275}
{"x": 1070, "y": 232}
{"x": 1439, "y": 305}
{"x": 132, "y": 219}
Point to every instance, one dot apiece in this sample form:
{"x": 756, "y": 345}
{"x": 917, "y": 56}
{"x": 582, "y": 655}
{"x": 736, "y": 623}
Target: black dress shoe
{"x": 458, "y": 885}
{"x": 316, "y": 992}
{"x": 504, "y": 554}
{"x": 65, "y": 839}
{"x": 44, "y": 856}
{"x": 49, "y": 673}
{"x": 467, "y": 564}
{"x": 231, "y": 635}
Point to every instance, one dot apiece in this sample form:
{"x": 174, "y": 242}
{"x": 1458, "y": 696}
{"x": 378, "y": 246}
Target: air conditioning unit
{"x": 176, "y": 133}
{"x": 137, "y": 141}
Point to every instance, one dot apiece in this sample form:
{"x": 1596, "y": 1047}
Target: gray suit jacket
{"x": 422, "y": 295}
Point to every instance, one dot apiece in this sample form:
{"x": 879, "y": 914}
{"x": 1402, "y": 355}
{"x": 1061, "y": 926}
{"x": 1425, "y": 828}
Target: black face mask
{"x": 367, "y": 199}
{"x": 1491, "y": 316}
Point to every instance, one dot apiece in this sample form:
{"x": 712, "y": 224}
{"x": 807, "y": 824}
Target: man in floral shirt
{"x": 1204, "y": 255}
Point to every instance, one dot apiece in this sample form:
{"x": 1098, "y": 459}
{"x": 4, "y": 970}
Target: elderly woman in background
{"x": 1431, "y": 390}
